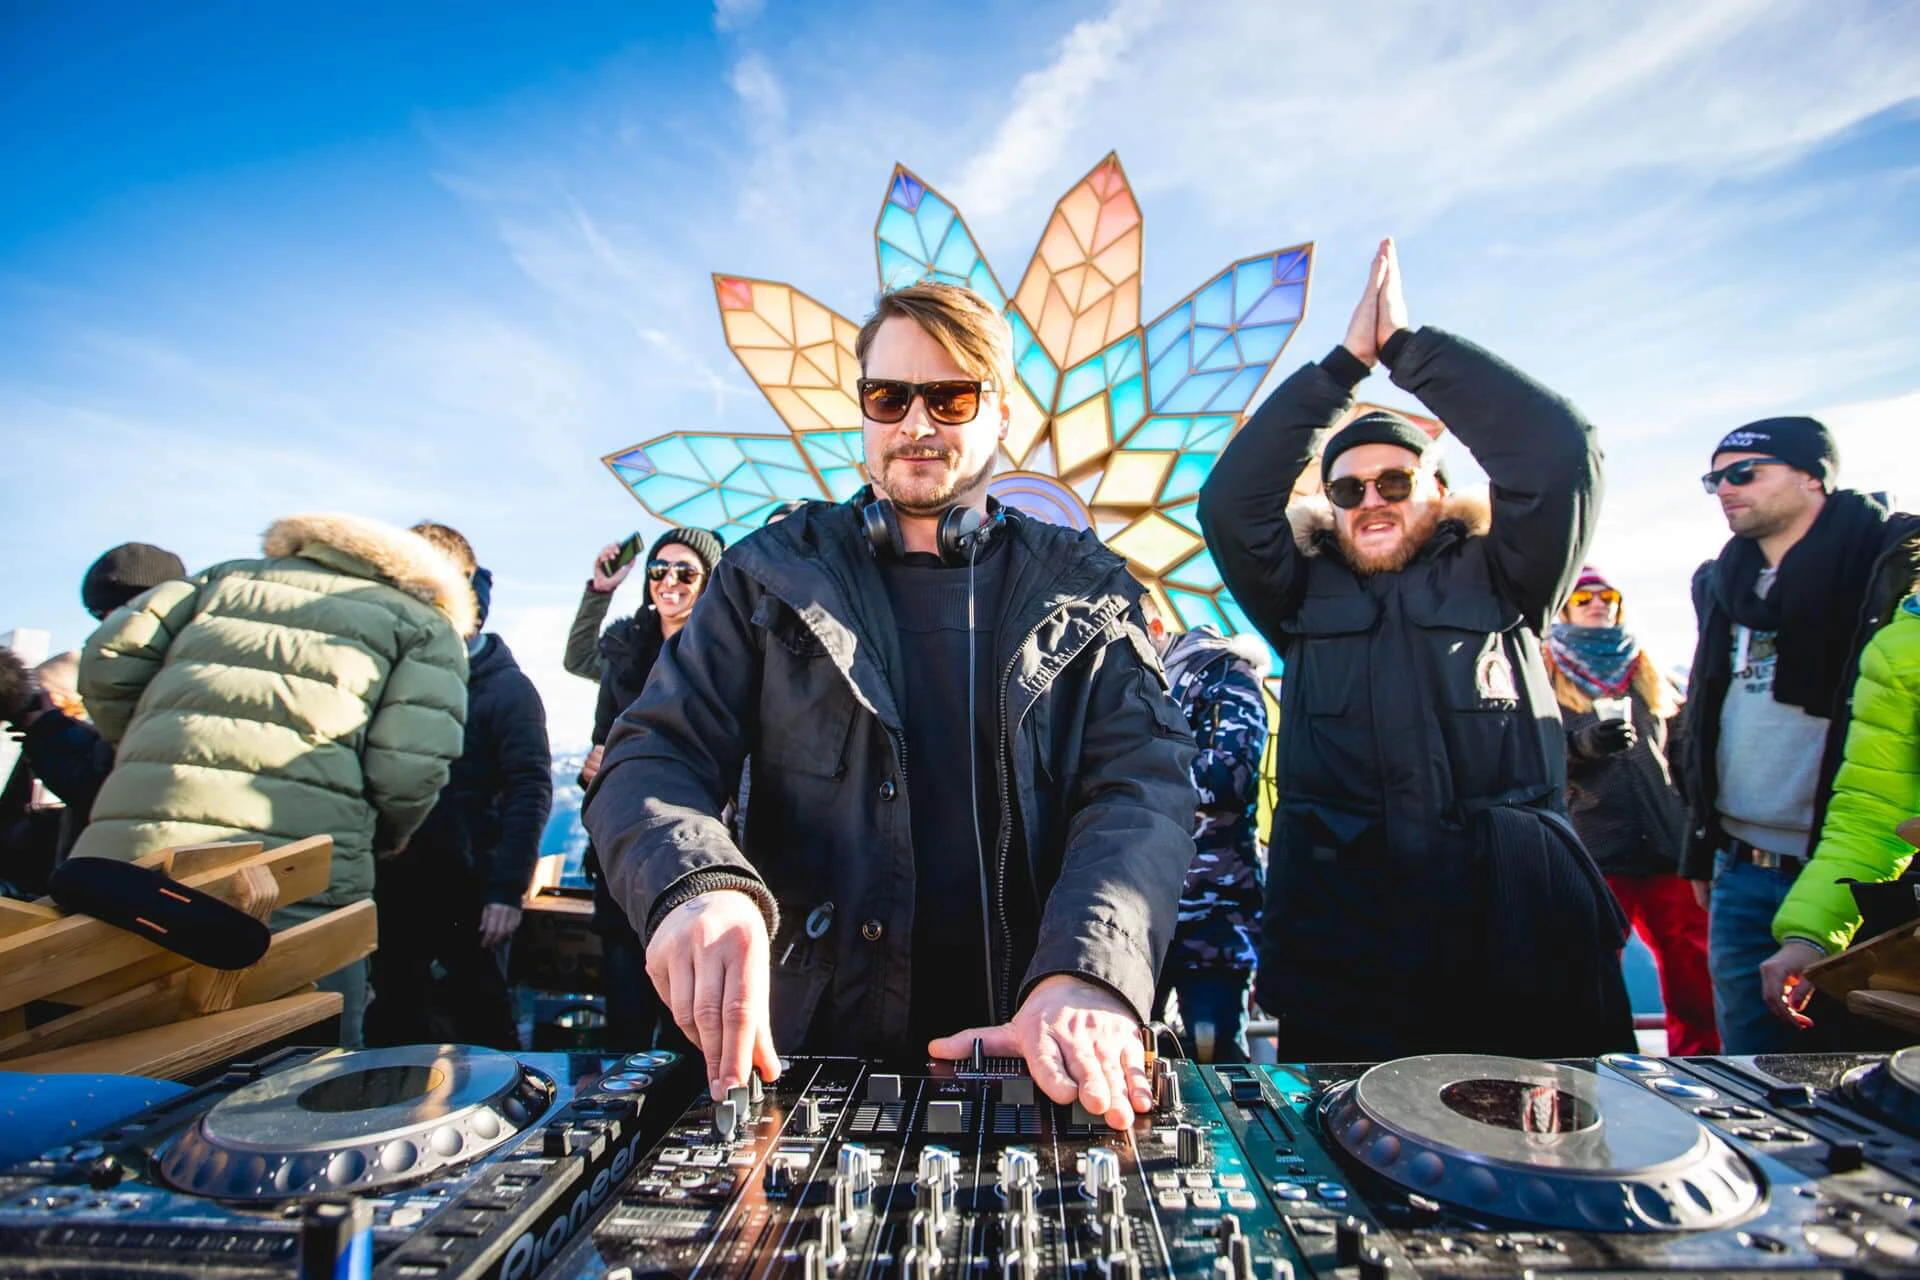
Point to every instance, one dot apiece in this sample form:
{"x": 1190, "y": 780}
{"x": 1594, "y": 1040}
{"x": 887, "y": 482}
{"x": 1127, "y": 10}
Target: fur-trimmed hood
{"x": 404, "y": 560}
{"x": 1470, "y": 514}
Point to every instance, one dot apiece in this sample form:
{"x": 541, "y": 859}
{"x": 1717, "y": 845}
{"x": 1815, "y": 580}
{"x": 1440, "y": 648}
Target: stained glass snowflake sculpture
{"x": 1116, "y": 423}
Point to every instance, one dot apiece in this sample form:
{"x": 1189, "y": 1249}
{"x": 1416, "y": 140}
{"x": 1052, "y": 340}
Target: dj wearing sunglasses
{"x": 1811, "y": 573}
{"x": 1422, "y": 760}
{"x": 970, "y": 812}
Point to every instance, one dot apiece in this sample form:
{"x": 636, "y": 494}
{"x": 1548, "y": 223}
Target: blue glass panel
{"x": 957, "y": 255}
{"x": 1128, "y": 404}
{"x": 785, "y": 482}
{"x": 1182, "y": 515}
{"x": 630, "y": 475}
{"x": 1283, "y": 304}
{"x": 1214, "y": 305}
{"x": 672, "y": 455}
{"x": 897, "y": 269}
{"x": 1195, "y": 393}
{"x": 1168, "y": 370}
{"x": 1122, "y": 359}
{"x": 1291, "y": 268}
{"x": 1082, "y": 382}
{"x": 827, "y": 450}
{"x": 898, "y": 228}
{"x": 986, "y": 286}
{"x": 1196, "y": 610}
{"x": 1198, "y": 571}
{"x": 907, "y": 190}
{"x": 1243, "y": 626}
{"x": 1190, "y": 471}
{"x": 1168, "y": 330}
{"x": 1160, "y": 433}
{"x": 1237, "y": 393}
{"x": 717, "y": 454}
{"x": 662, "y": 492}
{"x": 634, "y": 458}
{"x": 1260, "y": 344}
{"x": 1214, "y": 349}
{"x": 700, "y": 512}
{"x": 1251, "y": 280}
{"x": 1038, "y": 373}
{"x": 1210, "y": 434}
{"x": 934, "y": 217}
{"x": 842, "y": 482}
{"x": 769, "y": 449}
{"x": 739, "y": 505}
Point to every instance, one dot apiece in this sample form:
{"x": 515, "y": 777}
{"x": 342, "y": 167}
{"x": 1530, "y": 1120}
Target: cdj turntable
{"x": 428, "y": 1161}
{"x": 1457, "y": 1166}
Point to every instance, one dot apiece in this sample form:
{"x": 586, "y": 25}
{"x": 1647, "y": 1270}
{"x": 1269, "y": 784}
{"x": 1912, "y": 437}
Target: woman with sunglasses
{"x": 677, "y": 568}
{"x": 1619, "y": 711}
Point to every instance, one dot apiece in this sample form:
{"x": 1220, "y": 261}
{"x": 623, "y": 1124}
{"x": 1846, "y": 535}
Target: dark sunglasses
{"x": 1607, "y": 596}
{"x": 951, "y": 403}
{"x": 685, "y": 574}
{"x": 1394, "y": 485}
{"x": 1738, "y": 474}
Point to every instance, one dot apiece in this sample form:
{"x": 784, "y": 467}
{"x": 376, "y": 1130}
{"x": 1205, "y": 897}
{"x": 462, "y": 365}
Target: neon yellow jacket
{"x": 1877, "y": 788}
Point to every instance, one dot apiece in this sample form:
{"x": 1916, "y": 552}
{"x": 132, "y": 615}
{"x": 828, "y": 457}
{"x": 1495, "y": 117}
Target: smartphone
{"x": 625, "y": 556}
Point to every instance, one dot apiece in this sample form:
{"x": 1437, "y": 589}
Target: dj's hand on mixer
{"x": 966, "y": 1169}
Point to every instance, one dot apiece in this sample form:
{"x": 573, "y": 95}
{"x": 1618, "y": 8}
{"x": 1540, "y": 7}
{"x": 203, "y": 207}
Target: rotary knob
{"x": 1102, "y": 1169}
{"x": 726, "y": 1120}
{"x": 1189, "y": 1151}
{"x": 806, "y": 1116}
{"x": 813, "y": 1264}
{"x": 855, "y": 1164}
{"x": 1225, "y": 1234}
{"x": 1017, "y": 1165}
{"x": 1166, "y": 1088}
{"x": 1375, "y": 1265}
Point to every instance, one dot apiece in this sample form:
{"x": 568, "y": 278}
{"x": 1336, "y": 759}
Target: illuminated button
{"x": 1684, "y": 1089}
{"x": 673, "y": 1155}
{"x": 710, "y": 1158}
{"x": 1172, "y": 1201}
{"x": 1207, "y": 1200}
{"x": 1198, "y": 1181}
{"x": 1829, "y": 1243}
{"x": 1241, "y": 1200}
{"x": 1289, "y": 1191}
{"x": 1234, "y": 1181}
{"x": 1330, "y": 1191}
{"x": 1634, "y": 1064}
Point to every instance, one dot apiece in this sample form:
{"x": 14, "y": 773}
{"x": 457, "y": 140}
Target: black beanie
{"x": 1804, "y": 444}
{"x": 1377, "y": 426}
{"x": 704, "y": 543}
{"x": 128, "y": 570}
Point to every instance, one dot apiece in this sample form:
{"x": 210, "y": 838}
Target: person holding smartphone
{"x": 1622, "y": 718}
{"x": 678, "y": 567}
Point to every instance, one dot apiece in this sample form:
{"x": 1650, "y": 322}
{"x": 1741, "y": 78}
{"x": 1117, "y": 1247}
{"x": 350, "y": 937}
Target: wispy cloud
{"x": 1049, "y": 106}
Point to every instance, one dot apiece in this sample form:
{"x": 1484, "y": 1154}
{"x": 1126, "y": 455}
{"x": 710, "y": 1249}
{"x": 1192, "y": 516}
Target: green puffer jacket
{"x": 1877, "y": 789}
{"x": 322, "y": 690}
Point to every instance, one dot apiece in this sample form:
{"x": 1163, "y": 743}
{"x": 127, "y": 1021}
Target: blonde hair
{"x": 964, "y": 324}
{"x": 1662, "y": 699}
{"x": 451, "y": 543}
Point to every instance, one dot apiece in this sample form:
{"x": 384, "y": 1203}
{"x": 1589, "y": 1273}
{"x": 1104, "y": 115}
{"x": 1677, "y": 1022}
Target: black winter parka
{"x": 1425, "y": 892}
{"x": 790, "y": 656}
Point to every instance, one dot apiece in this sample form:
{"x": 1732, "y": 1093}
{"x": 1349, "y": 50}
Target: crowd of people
{"x": 913, "y": 772}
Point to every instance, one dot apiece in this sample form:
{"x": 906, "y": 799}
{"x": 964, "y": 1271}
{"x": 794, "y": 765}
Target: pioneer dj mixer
{"x": 429, "y": 1161}
{"x": 1445, "y": 1166}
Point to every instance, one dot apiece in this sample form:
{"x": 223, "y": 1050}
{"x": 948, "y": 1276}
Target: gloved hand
{"x": 1605, "y": 738}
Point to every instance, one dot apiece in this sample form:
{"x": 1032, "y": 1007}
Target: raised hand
{"x": 1079, "y": 1040}
{"x": 603, "y": 581}
{"x": 1361, "y": 330}
{"x": 1390, "y": 316}
{"x": 708, "y": 960}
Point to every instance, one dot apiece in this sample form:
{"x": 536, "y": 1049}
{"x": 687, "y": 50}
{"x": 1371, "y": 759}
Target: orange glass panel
{"x": 749, "y": 329}
{"x": 1025, "y": 424}
{"x": 835, "y": 406}
{"x": 1080, "y": 209}
{"x": 773, "y": 303}
{"x": 768, "y": 366}
{"x": 1132, "y": 479}
{"x": 1081, "y": 435}
{"x": 794, "y": 411}
{"x": 1154, "y": 542}
{"x": 812, "y": 323}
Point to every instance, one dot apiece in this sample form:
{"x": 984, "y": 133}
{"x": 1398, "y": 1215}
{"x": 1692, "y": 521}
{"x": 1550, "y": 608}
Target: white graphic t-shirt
{"x": 1769, "y": 753}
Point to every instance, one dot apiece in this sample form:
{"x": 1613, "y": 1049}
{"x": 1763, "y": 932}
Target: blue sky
{"x": 435, "y": 260}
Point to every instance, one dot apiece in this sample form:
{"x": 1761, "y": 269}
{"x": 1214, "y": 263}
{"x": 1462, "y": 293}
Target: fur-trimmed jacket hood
{"x": 372, "y": 548}
{"x": 1462, "y": 515}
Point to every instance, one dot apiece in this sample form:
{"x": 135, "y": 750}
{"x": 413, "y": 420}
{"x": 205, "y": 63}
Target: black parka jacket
{"x": 788, "y": 657}
{"x": 1420, "y": 860}
{"x": 1626, "y": 806}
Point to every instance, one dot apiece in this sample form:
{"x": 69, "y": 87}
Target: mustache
{"x": 920, "y": 453}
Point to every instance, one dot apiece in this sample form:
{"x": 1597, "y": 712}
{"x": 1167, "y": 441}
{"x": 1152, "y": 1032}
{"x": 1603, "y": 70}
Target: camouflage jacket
{"x": 1216, "y": 681}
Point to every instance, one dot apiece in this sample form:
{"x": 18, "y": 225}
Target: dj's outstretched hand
{"x": 1783, "y": 982}
{"x": 708, "y": 961}
{"x": 1079, "y": 1040}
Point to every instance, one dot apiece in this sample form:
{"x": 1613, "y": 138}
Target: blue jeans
{"x": 1739, "y": 940}
{"x": 1213, "y": 1011}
